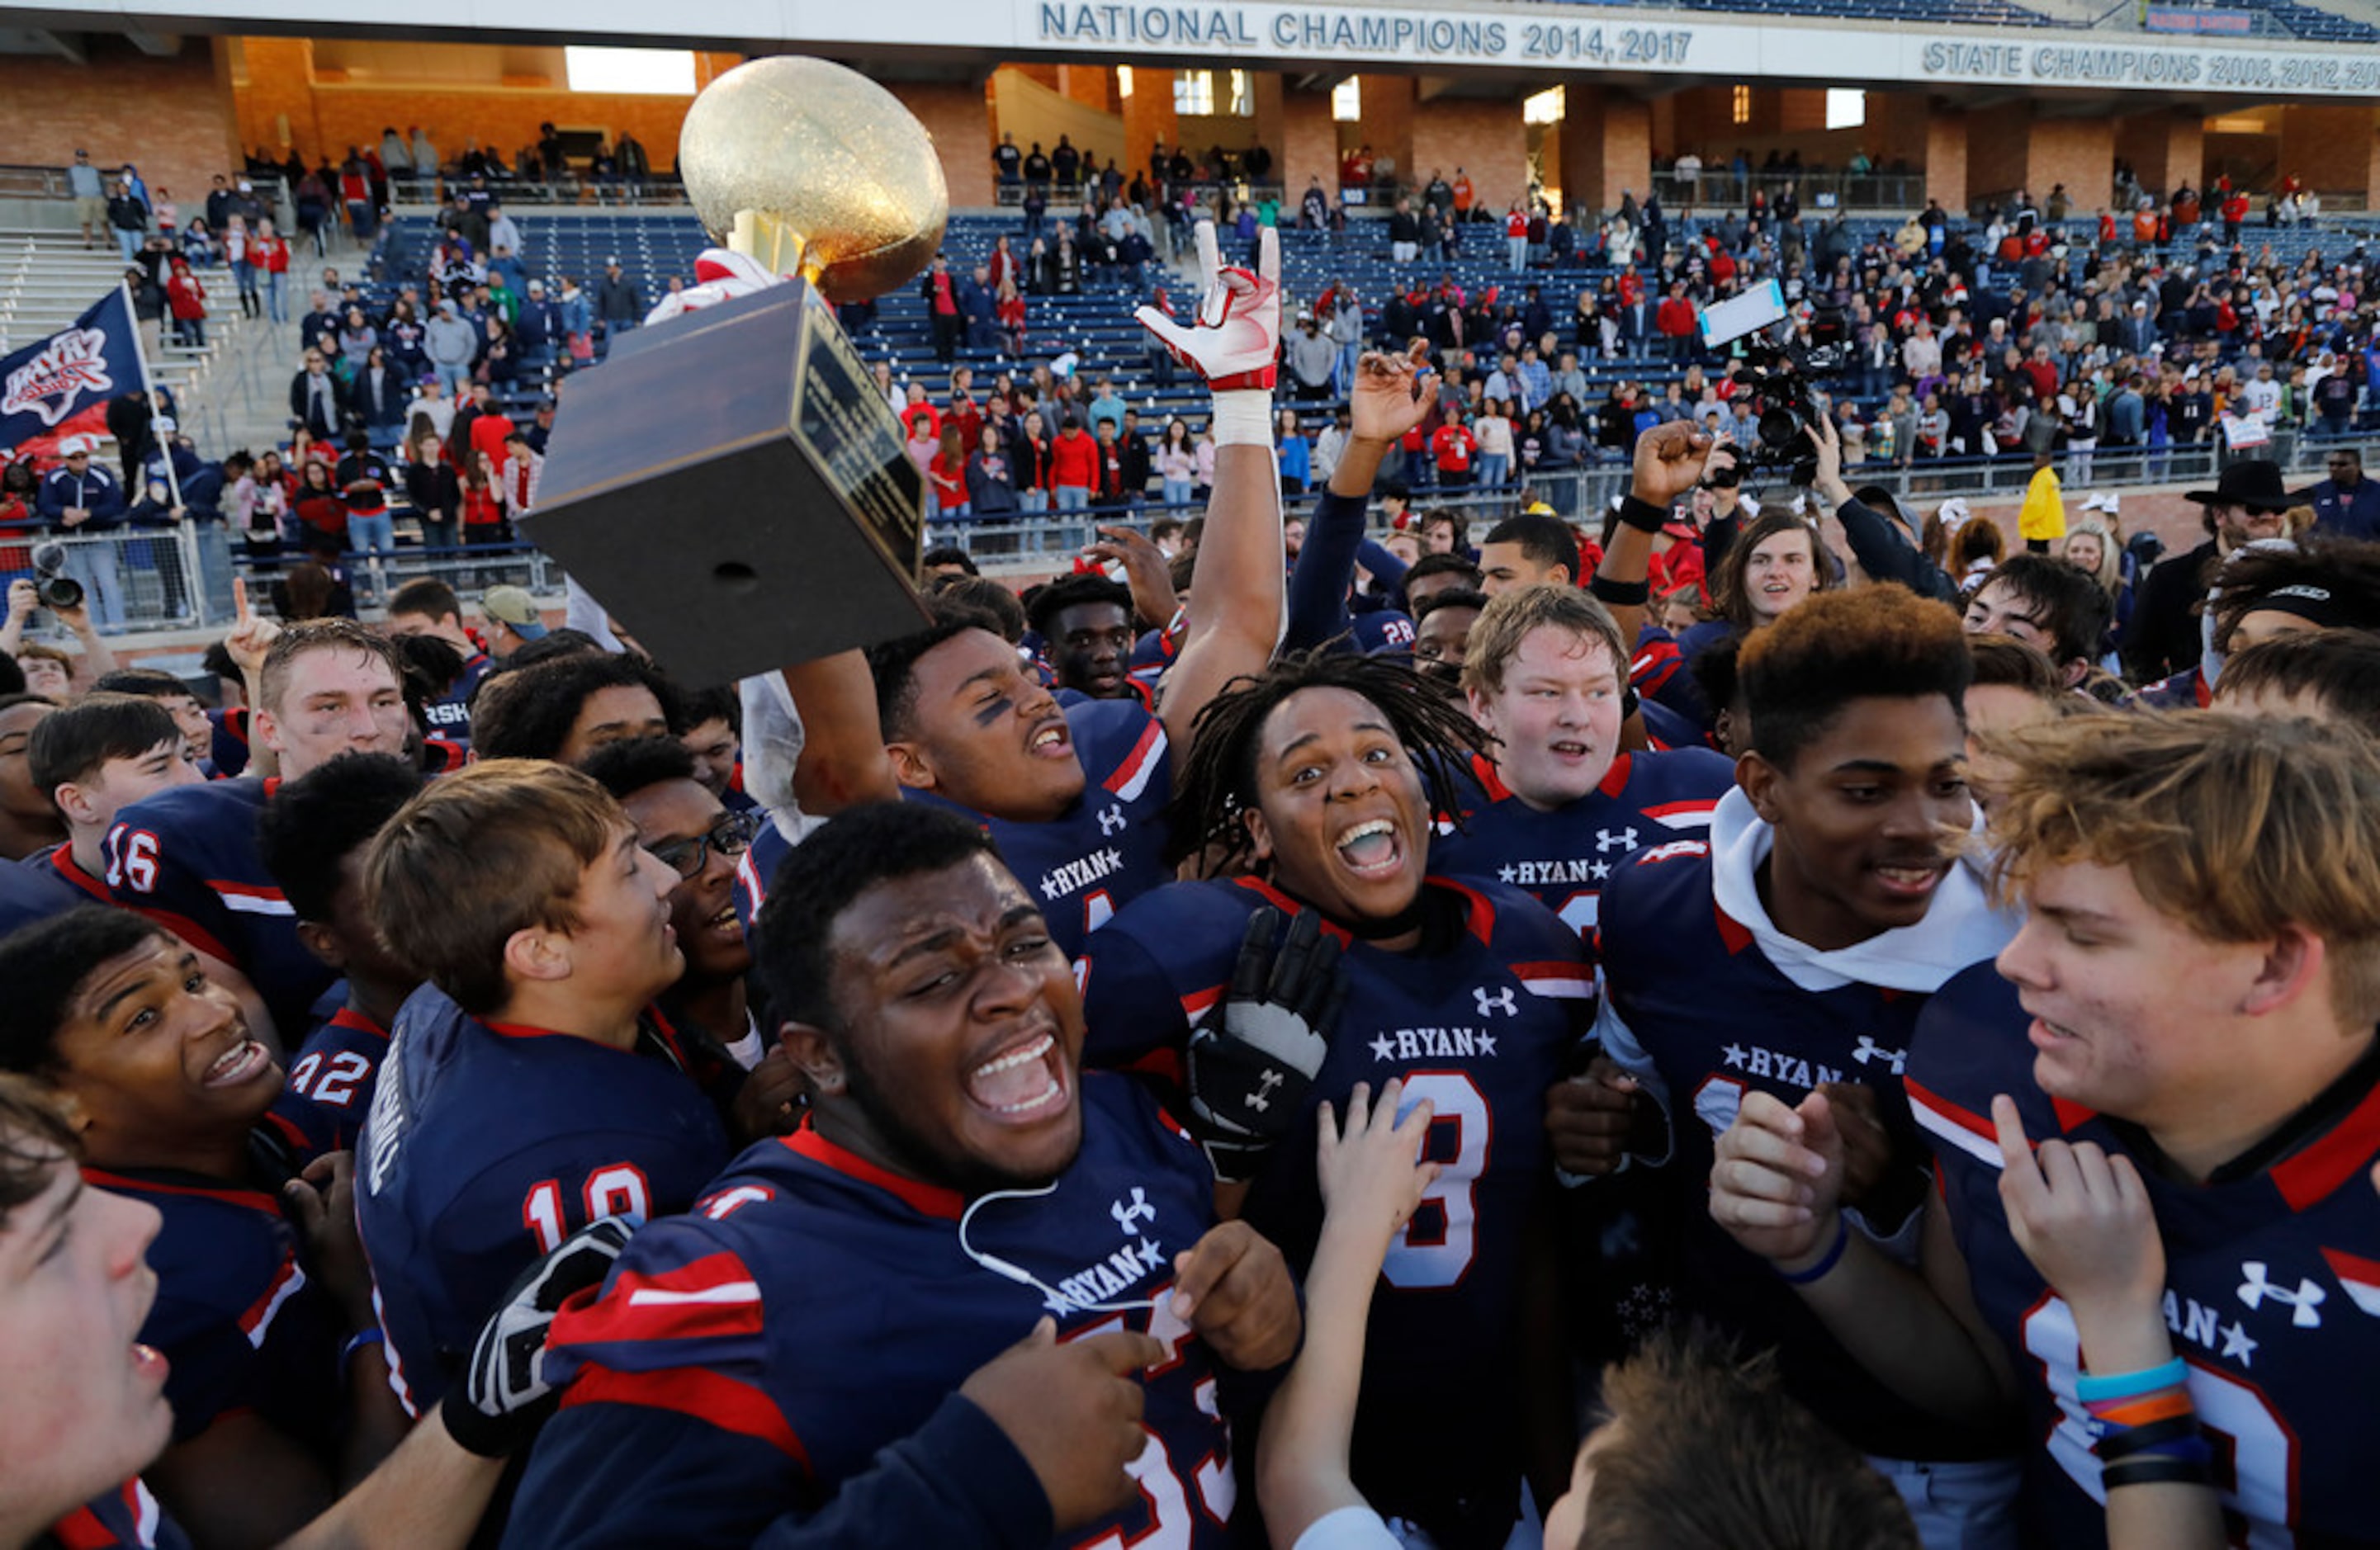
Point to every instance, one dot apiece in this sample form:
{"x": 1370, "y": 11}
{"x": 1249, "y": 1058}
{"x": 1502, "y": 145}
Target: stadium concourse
{"x": 1630, "y": 800}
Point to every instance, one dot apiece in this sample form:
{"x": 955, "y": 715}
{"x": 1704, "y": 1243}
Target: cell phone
{"x": 1762, "y": 305}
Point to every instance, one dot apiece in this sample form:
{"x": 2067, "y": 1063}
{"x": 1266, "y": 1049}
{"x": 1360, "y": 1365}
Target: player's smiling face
{"x": 963, "y": 1032}
{"x": 158, "y": 1056}
{"x": 1863, "y": 818}
{"x": 335, "y": 700}
{"x": 1557, "y": 715}
{"x": 702, "y": 907}
{"x": 86, "y": 1406}
{"x": 1340, "y": 818}
{"x": 987, "y": 734}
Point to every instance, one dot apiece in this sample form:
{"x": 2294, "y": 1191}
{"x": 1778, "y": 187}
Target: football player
{"x": 2154, "y": 1125}
{"x": 1791, "y": 955}
{"x": 1319, "y": 779}
{"x": 530, "y": 1088}
{"x": 958, "y": 1178}
{"x": 94, "y": 758}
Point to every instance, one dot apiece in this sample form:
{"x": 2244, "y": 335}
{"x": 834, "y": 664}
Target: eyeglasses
{"x": 730, "y": 836}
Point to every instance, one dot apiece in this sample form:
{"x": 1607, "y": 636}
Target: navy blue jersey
{"x": 1719, "y": 1020}
{"x": 58, "y": 863}
{"x": 752, "y": 1356}
{"x": 1480, "y": 1027}
{"x": 1564, "y": 857}
{"x": 234, "y": 1315}
{"x": 335, "y": 1071}
{"x": 187, "y": 858}
{"x": 487, "y": 1145}
{"x": 449, "y": 716}
{"x": 2272, "y": 1285}
{"x": 126, "y": 1518}
{"x": 228, "y": 753}
{"x": 1152, "y": 653}
{"x": 36, "y": 889}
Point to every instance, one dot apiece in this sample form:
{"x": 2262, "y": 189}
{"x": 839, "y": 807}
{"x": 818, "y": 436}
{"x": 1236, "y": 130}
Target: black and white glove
{"x": 498, "y": 1402}
{"x": 1254, "y": 1053}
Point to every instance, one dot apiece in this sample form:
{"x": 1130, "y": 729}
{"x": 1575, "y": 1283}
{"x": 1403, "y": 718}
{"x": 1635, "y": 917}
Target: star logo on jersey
{"x": 1112, "y": 820}
{"x": 1602, "y": 870}
{"x": 1506, "y": 874}
{"x": 2236, "y": 1343}
{"x": 1733, "y": 1054}
{"x": 1870, "y": 1050}
{"x": 1606, "y": 841}
{"x": 2304, "y": 1303}
{"x": 1503, "y": 1000}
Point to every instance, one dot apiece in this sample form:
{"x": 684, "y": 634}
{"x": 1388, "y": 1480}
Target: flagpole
{"x": 147, "y": 386}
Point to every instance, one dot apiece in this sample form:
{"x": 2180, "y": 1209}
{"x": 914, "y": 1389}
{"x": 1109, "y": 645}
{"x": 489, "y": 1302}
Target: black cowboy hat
{"x": 2254, "y": 485}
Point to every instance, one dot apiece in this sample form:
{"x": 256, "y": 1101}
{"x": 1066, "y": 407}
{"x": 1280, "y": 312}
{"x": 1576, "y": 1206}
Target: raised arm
{"x": 1234, "y": 617}
{"x": 1388, "y": 397}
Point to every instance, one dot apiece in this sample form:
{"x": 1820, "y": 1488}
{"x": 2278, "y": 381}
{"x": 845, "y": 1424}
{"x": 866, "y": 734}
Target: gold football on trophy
{"x": 824, "y": 153}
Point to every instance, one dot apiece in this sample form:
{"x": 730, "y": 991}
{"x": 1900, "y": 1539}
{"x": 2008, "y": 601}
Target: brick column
{"x": 1484, "y": 138}
{"x": 1946, "y": 158}
{"x": 2331, "y": 149}
{"x": 1605, "y": 145}
{"x": 2079, "y": 152}
{"x": 2166, "y": 148}
{"x": 1149, "y": 118}
{"x": 1387, "y": 124}
{"x": 957, "y": 116}
{"x": 1309, "y": 147}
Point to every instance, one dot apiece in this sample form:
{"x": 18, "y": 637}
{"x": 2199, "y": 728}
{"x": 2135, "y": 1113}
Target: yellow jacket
{"x": 2044, "y": 514}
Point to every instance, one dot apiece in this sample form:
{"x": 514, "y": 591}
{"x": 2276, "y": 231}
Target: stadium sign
{"x": 1537, "y": 36}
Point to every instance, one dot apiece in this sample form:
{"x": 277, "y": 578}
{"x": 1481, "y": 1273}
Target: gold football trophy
{"x": 729, "y": 482}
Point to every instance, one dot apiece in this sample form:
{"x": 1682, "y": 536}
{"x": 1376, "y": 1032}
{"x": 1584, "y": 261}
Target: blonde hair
{"x": 2236, "y": 827}
{"x": 2110, "y": 574}
{"x": 1497, "y": 633}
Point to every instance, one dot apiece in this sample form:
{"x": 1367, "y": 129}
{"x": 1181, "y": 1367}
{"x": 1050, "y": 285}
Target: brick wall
{"x": 1603, "y": 146}
{"x": 959, "y": 118}
{"x": 1996, "y": 148}
{"x": 2079, "y": 152}
{"x": 1388, "y": 122}
{"x": 1946, "y": 158}
{"x": 1309, "y": 142}
{"x": 2166, "y": 148}
{"x": 172, "y": 118}
{"x": 1148, "y": 118}
{"x": 2330, "y": 148}
{"x": 1486, "y": 139}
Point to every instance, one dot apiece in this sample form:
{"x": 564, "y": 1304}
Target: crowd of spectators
{"x": 461, "y": 1083}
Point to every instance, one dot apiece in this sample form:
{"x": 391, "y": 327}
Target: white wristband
{"x": 1244, "y": 418}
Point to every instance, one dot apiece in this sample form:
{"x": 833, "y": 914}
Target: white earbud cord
{"x": 1018, "y": 1274}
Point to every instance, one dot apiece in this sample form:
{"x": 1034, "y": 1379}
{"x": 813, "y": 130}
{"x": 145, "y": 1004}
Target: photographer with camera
{"x": 63, "y": 596}
{"x": 81, "y": 499}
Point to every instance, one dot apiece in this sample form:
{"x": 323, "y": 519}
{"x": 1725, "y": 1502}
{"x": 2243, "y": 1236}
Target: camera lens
{"x": 61, "y": 591}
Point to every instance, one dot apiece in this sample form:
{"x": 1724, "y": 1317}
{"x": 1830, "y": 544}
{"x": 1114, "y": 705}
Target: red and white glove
{"x": 719, "y": 276}
{"x": 1235, "y": 342}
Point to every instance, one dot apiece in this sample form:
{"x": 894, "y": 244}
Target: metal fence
{"x": 136, "y": 578}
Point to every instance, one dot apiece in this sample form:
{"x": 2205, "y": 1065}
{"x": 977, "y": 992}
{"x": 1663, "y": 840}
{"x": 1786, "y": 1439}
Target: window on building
{"x": 653, "y": 72}
{"x": 1243, "y": 95}
{"x": 1124, "y": 81}
{"x": 1744, "y": 104}
{"x": 1846, "y": 109}
{"x": 1347, "y": 102}
{"x": 1194, "y": 94}
{"x": 1545, "y": 107}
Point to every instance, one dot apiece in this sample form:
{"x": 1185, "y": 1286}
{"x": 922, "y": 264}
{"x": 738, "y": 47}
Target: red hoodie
{"x": 1074, "y": 460}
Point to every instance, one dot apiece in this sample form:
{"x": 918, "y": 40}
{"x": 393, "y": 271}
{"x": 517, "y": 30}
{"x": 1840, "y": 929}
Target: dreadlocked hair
{"x": 1218, "y": 782}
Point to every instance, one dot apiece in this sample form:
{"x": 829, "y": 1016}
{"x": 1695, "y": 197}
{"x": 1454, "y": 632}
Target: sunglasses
{"x": 730, "y": 836}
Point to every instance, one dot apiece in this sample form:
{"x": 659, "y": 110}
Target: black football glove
{"x": 1254, "y": 1053}
{"x": 498, "y": 1402}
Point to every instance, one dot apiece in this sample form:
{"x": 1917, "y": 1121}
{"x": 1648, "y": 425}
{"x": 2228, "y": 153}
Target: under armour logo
{"x": 1112, "y": 820}
{"x": 1501, "y": 1001}
{"x": 2304, "y": 1303}
{"x": 1261, "y": 1100}
{"x": 1607, "y": 840}
{"x": 1125, "y": 1214}
{"x": 1870, "y": 1050}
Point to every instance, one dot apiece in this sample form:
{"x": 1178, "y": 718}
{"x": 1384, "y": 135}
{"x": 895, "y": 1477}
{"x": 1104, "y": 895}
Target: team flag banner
{"x": 59, "y": 386}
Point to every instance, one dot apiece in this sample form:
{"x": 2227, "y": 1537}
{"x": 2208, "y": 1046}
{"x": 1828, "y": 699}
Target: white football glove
{"x": 720, "y": 276}
{"x": 1235, "y": 340}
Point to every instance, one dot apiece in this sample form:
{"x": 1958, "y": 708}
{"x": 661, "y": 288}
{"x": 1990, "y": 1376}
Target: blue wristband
{"x": 356, "y": 1342}
{"x": 1825, "y": 1261}
{"x": 2091, "y": 1387}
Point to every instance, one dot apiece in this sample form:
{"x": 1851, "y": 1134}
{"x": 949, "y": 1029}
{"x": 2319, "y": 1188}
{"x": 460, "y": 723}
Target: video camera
{"x": 57, "y": 589}
{"x": 1785, "y": 403}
